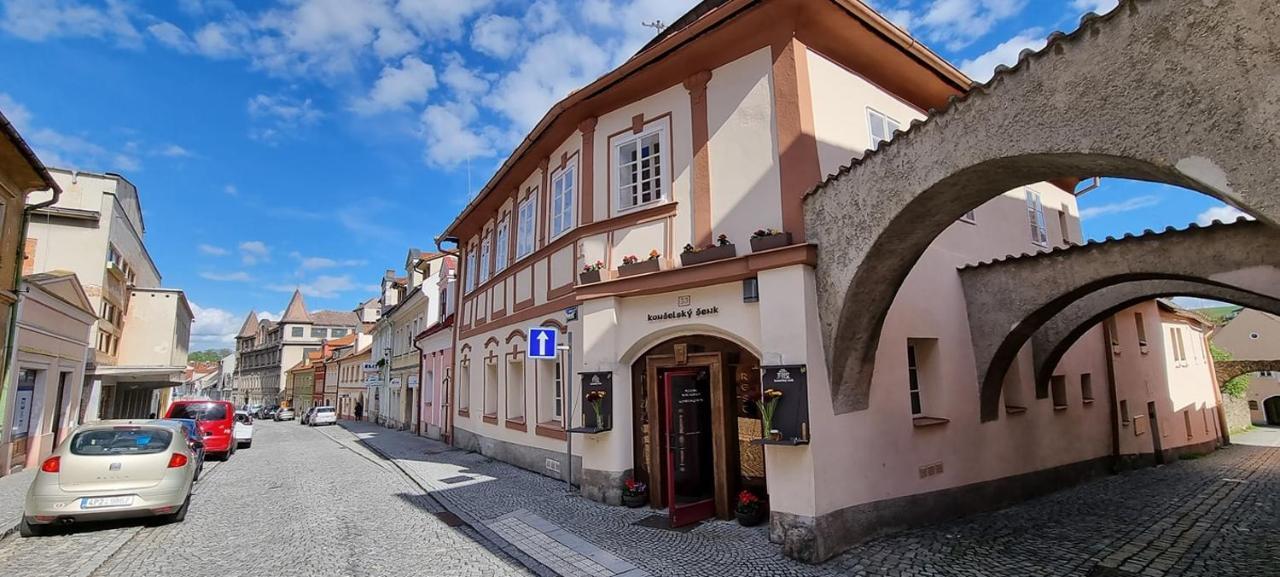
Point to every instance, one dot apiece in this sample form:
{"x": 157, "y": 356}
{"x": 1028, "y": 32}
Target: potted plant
{"x": 768, "y": 403}
{"x": 750, "y": 510}
{"x": 635, "y": 494}
{"x": 590, "y": 273}
{"x": 631, "y": 264}
{"x": 596, "y": 400}
{"x": 722, "y": 249}
{"x": 768, "y": 239}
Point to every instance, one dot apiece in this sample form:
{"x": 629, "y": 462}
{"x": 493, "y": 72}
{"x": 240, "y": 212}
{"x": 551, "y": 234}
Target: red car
{"x": 216, "y": 421}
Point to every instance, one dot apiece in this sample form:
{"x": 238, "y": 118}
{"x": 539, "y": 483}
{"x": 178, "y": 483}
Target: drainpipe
{"x": 1113, "y": 402}
{"x": 417, "y": 406}
{"x": 11, "y": 347}
{"x": 447, "y": 417}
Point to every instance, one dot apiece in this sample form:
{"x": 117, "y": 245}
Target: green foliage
{"x": 1236, "y": 387}
{"x": 208, "y": 356}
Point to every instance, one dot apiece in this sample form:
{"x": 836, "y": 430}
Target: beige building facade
{"x": 1253, "y": 335}
{"x": 266, "y": 350}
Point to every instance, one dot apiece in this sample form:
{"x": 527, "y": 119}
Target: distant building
{"x": 266, "y": 350}
{"x": 409, "y": 305}
{"x": 1253, "y": 335}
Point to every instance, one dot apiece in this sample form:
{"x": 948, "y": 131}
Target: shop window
{"x": 1058, "y": 389}
{"x": 515, "y": 390}
{"x": 881, "y": 126}
{"x": 491, "y": 388}
{"x": 1086, "y": 387}
{"x": 641, "y": 164}
{"x": 562, "y": 191}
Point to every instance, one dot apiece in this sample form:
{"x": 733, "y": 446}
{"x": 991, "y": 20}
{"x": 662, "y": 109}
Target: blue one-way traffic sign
{"x": 542, "y": 343}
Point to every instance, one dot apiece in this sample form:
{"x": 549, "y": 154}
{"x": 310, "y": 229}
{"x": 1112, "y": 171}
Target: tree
{"x": 1236, "y": 387}
{"x": 208, "y": 355}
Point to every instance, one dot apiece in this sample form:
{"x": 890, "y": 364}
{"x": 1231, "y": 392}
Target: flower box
{"x": 588, "y": 277}
{"x": 634, "y": 500}
{"x": 718, "y": 252}
{"x": 770, "y": 242}
{"x": 644, "y": 266}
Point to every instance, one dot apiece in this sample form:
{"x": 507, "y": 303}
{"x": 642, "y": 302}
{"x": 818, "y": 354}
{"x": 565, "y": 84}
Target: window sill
{"x": 464, "y": 413}
{"x": 619, "y": 211}
{"x": 551, "y": 429}
{"x": 491, "y": 419}
{"x": 1014, "y": 410}
{"x": 517, "y": 425}
{"x": 923, "y": 421}
{"x": 1060, "y": 407}
{"x": 1088, "y": 401}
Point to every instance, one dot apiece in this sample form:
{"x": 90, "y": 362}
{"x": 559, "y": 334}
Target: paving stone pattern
{"x": 1214, "y": 516}
{"x": 295, "y": 504}
{"x": 559, "y": 550}
{"x": 13, "y": 492}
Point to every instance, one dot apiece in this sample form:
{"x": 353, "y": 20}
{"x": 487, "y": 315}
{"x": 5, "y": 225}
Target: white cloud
{"x": 213, "y": 327}
{"x": 212, "y": 250}
{"x": 253, "y": 252}
{"x": 551, "y": 67}
{"x": 39, "y": 20}
{"x": 319, "y": 262}
{"x": 231, "y": 190}
{"x": 450, "y": 140}
{"x": 170, "y": 35}
{"x": 280, "y": 116}
{"x": 957, "y": 23}
{"x": 235, "y": 276}
{"x": 398, "y": 87}
{"x": 174, "y": 151}
{"x": 270, "y": 316}
{"x": 495, "y": 35}
{"x": 439, "y": 19}
{"x": 67, "y": 150}
{"x": 541, "y": 16}
{"x": 323, "y": 286}
{"x": 460, "y": 79}
{"x": 1095, "y": 6}
{"x": 982, "y": 67}
{"x": 1129, "y": 205}
{"x": 1222, "y": 213}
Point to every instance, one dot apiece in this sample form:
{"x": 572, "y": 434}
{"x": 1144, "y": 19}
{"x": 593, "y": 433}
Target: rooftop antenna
{"x": 656, "y": 25}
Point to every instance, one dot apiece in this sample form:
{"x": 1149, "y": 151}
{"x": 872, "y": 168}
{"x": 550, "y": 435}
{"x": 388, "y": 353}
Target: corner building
{"x": 719, "y": 126}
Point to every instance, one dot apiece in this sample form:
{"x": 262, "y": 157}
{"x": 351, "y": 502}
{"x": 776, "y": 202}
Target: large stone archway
{"x": 1227, "y": 370}
{"x": 1186, "y": 93}
{"x": 1056, "y": 336}
{"x": 1009, "y": 300}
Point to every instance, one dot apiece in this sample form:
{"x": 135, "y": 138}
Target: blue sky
{"x": 308, "y": 143}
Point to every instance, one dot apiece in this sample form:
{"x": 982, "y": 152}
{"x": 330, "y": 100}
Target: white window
{"x": 558, "y": 397}
{"x": 913, "y": 380}
{"x": 526, "y": 225}
{"x": 882, "y": 127}
{"x": 562, "y": 190}
{"x": 484, "y": 259}
{"x": 471, "y": 268}
{"x": 1035, "y": 217}
{"x": 641, "y": 162}
{"x": 503, "y": 239}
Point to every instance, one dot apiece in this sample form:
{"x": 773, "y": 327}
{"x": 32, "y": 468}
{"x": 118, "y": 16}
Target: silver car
{"x": 285, "y": 414}
{"x": 322, "y": 416}
{"x": 113, "y": 470}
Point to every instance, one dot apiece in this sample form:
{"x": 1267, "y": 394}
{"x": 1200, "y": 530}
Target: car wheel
{"x": 232, "y": 450}
{"x": 28, "y": 530}
{"x": 181, "y": 514}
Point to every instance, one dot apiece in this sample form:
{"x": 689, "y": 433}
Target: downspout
{"x": 447, "y": 425}
{"x": 417, "y": 406}
{"x": 1113, "y": 402}
{"x": 10, "y": 347}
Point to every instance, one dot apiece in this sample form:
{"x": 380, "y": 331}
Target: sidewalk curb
{"x": 447, "y": 504}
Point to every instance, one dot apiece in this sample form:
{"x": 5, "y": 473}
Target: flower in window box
{"x": 765, "y": 232}
{"x": 689, "y": 248}
{"x": 598, "y": 265}
{"x": 654, "y": 254}
{"x": 722, "y": 240}
{"x": 630, "y": 259}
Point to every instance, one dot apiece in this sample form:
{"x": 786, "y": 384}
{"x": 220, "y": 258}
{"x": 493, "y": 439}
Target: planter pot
{"x": 641, "y": 267}
{"x": 708, "y": 255}
{"x": 751, "y": 518}
{"x": 763, "y": 243}
{"x": 634, "y": 500}
{"x": 588, "y": 277}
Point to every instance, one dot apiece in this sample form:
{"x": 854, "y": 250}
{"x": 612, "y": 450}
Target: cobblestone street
{"x": 308, "y": 501}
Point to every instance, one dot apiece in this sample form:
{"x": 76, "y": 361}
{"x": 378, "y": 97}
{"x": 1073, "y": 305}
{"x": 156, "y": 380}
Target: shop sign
{"x": 372, "y": 380}
{"x": 682, "y": 314}
{"x": 395, "y": 381}
{"x": 369, "y": 367}
{"x": 413, "y": 381}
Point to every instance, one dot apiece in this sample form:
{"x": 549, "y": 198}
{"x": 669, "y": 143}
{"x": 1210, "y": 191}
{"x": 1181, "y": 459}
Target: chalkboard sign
{"x": 596, "y": 385}
{"x": 791, "y": 417}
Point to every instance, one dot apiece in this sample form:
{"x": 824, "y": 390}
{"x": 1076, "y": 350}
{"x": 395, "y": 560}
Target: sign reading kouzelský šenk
{"x": 684, "y": 314}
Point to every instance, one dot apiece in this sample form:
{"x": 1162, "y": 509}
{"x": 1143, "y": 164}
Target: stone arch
{"x": 1227, "y": 370}
{"x": 1009, "y": 300}
{"x": 1157, "y": 90}
{"x": 1052, "y": 340}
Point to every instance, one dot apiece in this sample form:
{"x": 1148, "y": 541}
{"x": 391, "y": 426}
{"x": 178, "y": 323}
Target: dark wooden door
{"x": 691, "y": 490}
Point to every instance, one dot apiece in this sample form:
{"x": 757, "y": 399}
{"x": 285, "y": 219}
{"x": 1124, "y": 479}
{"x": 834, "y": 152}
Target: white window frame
{"x": 502, "y": 237}
{"x": 659, "y": 131}
{"x": 526, "y": 224}
{"x": 882, "y": 121}
{"x": 557, "y": 391}
{"x": 471, "y": 267}
{"x": 485, "y": 247}
{"x": 564, "y": 186}
{"x": 1035, "y": 218}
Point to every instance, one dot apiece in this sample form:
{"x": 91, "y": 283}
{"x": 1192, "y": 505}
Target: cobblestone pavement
{"x": 295, "y": 504}
{"x": 1214, "y": 516}
{"x": 13, "y": 490}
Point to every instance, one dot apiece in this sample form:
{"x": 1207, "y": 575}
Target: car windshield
{"x": 325, "y": 410}
{"x": 200, "y": 411}
{"x": 121, "y": 441}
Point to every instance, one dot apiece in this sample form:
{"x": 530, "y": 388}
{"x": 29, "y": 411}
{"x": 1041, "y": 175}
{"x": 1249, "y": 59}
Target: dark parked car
{"x": 192, "y": 429}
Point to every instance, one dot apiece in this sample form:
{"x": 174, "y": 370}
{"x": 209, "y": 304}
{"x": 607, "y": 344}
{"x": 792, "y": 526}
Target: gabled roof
{"x": 250, "y": 327}
{"x": 296, "y": 312}
{"x": 335, "y": 318}
{"x": 65, "y": 286}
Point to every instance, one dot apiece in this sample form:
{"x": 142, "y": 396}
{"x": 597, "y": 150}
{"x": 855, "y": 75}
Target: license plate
{"x": 95, "y": 502}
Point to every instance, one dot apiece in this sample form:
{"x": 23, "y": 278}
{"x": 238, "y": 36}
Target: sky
{"x": 308, "y": 144}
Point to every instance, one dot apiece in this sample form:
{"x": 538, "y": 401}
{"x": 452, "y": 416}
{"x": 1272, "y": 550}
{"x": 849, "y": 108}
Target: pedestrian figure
{"x": 359, "y": 411}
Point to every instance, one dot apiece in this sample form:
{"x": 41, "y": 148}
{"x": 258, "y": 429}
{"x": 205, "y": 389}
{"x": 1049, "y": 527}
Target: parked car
{"x": 323, "y": 416}
{"x": 243, "y": 429}
{"x": 269, "y": 413}
{"x": 306, "y": 417}
{"x": 191, "y": 429}
{"x": 284, "y": 414}
{"x": 112, "y": 470}
{"x": 215, "y": 420}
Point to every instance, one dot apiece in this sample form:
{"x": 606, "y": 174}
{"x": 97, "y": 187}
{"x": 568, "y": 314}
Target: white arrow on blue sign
{"x": 542, "y": 343}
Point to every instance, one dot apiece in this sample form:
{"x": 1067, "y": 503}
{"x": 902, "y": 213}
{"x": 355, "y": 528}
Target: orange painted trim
{"x": 544, "y": 197}
{"x": 524, "y": 304}
{"x": 587, "y": 179}
{"x": 517, "y": 425}
{"x": 712, "y": 273}
{"x": 514, "y": 334}
{"x": 532, "y": 313}
{"x": 701, "y": 193}
{"x": 798, "y": 166}
{"x": 490, "y": 341}
{"x": 560, "y": 291}
{"x": 551, "y": 429}
{"x": 466, "y": 348}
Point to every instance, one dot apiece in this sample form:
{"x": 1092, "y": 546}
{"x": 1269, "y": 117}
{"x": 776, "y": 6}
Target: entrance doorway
{"x": 1271, "y": 408}
{"x": 695, "y": 418}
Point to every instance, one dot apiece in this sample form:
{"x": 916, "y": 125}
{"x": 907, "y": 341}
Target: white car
{"x": 242, "y": 432}
{"x": 113, "y": 470}
{"x": 323, "y": 416}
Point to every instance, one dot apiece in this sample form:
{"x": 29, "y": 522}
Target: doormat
{"x": 664, "y": 522}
